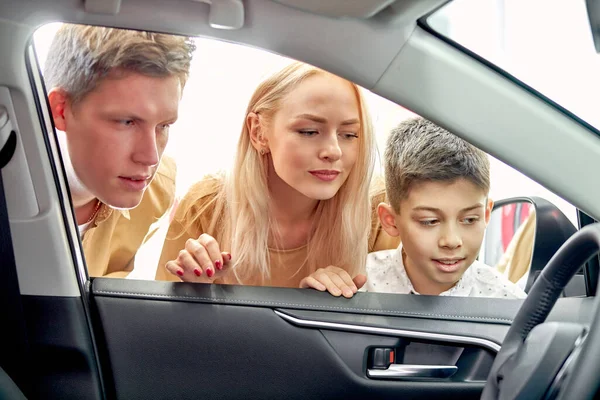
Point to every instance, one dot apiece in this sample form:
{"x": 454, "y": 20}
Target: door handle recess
{"x": 407, "y": 371}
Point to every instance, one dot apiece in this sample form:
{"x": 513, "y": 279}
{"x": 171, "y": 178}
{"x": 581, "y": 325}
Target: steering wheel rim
{"x": 537, "y": 306}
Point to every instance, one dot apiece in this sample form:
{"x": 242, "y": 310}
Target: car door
{"x": 128, "y": 339}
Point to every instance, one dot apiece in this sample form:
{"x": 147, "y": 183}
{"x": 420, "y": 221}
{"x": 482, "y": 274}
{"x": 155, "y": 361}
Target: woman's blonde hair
{"x": 241, "y": 219}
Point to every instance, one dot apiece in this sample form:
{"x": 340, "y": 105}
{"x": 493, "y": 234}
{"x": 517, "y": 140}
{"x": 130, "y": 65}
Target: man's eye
{"x": 428, "y": 222}
{"x": 127, "y": 122}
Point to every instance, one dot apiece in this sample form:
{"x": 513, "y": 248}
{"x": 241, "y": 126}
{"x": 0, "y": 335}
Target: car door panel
{"x": 175, "y": 340}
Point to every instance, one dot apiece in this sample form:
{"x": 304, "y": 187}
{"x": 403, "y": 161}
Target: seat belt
{"x": 14, "y": 350}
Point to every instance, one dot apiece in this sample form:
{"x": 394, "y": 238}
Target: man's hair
{"x": 417, "y": 151}
{"x": 81, "y": 56}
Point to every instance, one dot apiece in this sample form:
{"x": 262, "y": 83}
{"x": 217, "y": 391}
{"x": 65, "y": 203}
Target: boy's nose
{"x": 450, "y": 239}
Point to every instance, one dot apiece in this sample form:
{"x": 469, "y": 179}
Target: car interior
{"x": 66, "y": 335}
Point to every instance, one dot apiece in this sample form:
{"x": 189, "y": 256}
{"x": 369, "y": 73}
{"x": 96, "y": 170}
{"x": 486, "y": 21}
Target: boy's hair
{"x": 417, "y": 150}
{"x": 81, "y": 56}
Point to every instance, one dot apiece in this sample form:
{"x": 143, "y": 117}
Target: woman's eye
{"x": 308, "y": 132}
{"x": 349, "y": 136}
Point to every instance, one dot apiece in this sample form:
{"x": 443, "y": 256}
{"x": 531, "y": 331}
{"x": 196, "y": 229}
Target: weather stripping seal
{"x": 438, "y": 337}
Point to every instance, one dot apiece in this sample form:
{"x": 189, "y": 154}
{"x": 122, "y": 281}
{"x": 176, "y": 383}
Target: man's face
{"x": 441, "y": 225}
{"x": 117, "y": 133}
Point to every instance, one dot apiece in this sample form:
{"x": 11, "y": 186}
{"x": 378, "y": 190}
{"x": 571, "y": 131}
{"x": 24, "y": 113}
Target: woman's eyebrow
{"x": 322, "y": 120}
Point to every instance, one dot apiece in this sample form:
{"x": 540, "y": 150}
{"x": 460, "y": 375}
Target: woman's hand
{"x": 335, "y": 280}
{"x": 201, "y": 261}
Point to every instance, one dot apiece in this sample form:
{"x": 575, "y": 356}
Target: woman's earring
{"x": 262, "y": 152}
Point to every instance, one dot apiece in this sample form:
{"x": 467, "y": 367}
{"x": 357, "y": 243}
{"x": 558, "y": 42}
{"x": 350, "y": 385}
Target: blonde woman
{"x": 295, "y": 210}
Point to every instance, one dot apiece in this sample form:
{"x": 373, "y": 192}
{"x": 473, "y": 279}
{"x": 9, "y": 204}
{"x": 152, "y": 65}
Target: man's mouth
{"x": 136, "y": 182}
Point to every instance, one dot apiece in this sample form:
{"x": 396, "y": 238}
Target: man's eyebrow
{"x": 322, "y": 120}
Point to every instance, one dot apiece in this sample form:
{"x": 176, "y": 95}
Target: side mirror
{"x": 522, "y": 236}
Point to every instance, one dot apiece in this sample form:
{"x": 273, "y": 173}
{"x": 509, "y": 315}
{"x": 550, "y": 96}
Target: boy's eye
{"x": 308, "y": 132}
{"x": 429, "y": 222}
{"x": 470, "y": 220}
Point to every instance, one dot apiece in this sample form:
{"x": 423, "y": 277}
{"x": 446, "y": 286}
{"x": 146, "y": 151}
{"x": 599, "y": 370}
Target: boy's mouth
{"x": 449, "y": 264}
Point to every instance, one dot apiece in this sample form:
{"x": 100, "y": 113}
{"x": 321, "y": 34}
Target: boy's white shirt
{"x": 386, "y": 274}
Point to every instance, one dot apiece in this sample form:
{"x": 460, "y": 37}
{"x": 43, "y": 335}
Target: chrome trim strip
{"x": 409, "y": 371}
{"x": 440, "y": 337}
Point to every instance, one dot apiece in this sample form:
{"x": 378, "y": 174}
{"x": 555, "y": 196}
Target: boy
{"x": 437, "y": 185}
{"x": 113, "y": 94}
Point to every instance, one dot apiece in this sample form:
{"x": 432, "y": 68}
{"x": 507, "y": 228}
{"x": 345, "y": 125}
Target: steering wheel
{"x": 550, "y": 360}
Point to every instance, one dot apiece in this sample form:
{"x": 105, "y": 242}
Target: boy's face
{"x": 441, "y": 225}
{"x": 117, "y": 133}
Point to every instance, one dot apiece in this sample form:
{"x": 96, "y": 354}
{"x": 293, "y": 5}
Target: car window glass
{"x": 211, "y": 113}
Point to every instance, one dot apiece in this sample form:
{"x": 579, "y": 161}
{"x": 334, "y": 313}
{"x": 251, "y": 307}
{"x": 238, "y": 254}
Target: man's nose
{"x": 146, "y": 150}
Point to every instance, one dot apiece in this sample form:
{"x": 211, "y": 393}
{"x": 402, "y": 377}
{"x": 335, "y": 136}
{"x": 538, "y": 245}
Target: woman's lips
{"x": 325, "y": 175}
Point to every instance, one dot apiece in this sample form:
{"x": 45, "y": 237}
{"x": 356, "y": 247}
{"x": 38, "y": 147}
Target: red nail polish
{"x": 179, "y": 272}
{"x": 209, "y": 272}
{"x": 197, "y": 272}
{"x": 218, "y": 264}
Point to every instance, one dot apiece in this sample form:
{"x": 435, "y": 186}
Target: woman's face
{"x": 313, "y": 138}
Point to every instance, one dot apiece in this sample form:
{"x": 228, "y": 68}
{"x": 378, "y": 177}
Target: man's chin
{"x": 125, "y": 202}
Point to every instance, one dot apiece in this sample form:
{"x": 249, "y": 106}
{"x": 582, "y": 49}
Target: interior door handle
{"x": 407, "y": 371}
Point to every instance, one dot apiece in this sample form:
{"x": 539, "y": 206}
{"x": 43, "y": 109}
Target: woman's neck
{"x": 292, "y": 214}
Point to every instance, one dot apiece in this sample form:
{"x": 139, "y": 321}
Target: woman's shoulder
{"x": 202, "y": 191}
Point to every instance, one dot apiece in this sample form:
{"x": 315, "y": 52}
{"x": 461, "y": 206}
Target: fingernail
{"x": 348, "y": 293}
{"x": 197, "y": 272}
{"x": 218, "y": 264}
{"x": 229, "y": 255}
{"x": 337, "y": 292}
{"x": 209, "y": 272}
{"x": 179, "y": 272}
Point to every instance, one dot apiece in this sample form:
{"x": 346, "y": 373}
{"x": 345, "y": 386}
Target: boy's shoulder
{"x": 486, "y": 281}
{"x": 385, "y": 273}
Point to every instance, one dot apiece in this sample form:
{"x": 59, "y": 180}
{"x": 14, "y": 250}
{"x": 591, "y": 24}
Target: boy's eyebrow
{"x": 478, "y": 205}
{"x": 321, "y": 120}
{"x": 433, "y": 209}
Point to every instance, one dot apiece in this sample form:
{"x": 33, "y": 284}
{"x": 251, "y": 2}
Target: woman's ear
{"x": 387, "y": 217}
{"x": 256, "y": 130}
{"x": 59, "y": 102}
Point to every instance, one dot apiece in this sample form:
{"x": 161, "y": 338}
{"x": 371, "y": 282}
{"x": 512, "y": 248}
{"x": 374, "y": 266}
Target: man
{"x": 113, "y": 94}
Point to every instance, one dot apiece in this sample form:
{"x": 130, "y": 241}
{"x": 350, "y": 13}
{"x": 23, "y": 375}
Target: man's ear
{"x": 257, "y": 137}
{"x": 488, "y": 210}
{"x": 59, "y": 102}
{"x": 387, "y": 217}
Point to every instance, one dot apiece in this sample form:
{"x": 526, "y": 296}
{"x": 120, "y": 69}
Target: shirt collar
{"x": 106, "y": 211}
